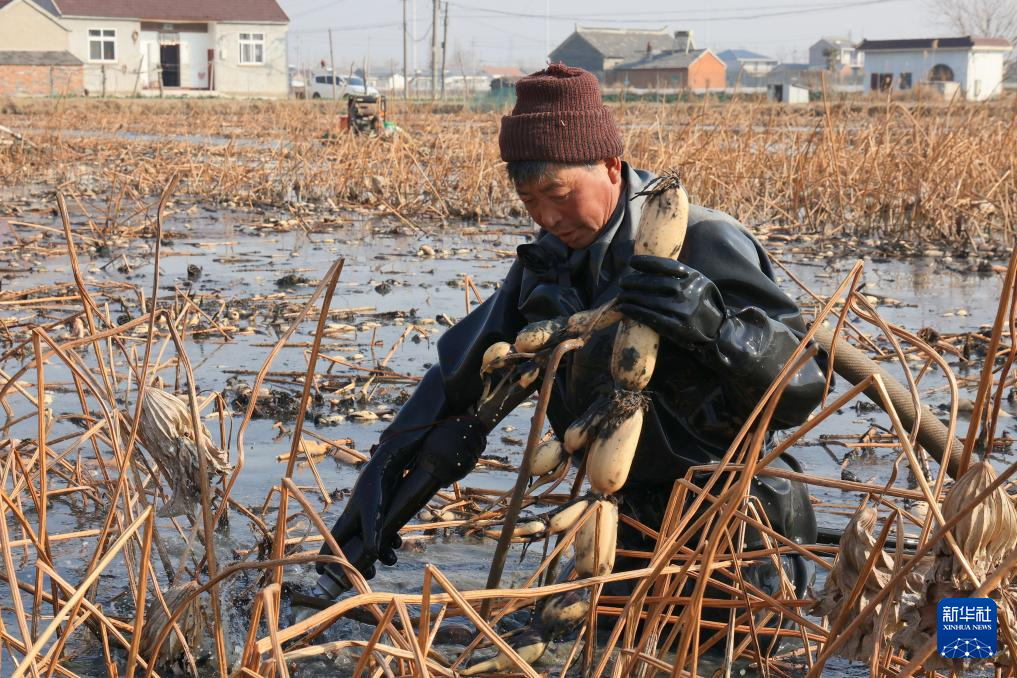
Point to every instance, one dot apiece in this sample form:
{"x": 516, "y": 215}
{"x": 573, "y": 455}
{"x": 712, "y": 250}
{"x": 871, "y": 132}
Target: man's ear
{"x": 614, "y": 169}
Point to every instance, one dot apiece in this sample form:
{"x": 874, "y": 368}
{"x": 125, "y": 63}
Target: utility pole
{"x": 406, "y": 49}
{"x": 331, "y": 63}
{"x": 444, "y": 42}
{"x": 434, "y": 49}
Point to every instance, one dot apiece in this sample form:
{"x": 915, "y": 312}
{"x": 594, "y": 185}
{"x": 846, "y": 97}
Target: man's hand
{"x": 679, "y": 302}
{"x": 358, "y": 531}
{"x": 384, "y": 499}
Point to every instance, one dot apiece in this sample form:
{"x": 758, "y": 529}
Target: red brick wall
{"x": 21, "y": 80}
{"x": 707, "y": 72}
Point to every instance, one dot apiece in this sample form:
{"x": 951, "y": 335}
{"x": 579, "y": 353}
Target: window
{"x": 323, "y": 79}
{"x": 880, "y": 82}
{"x": 905, "y": 81}
{"x": 102, "y": 44}
{"x": 252, "y": 48}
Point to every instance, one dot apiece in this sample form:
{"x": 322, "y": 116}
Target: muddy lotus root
{"x": 166, "y": 432}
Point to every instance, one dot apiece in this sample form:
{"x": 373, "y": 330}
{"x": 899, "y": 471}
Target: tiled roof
{"x": 178, "y": 10}
{"x": 662, "y": 60}
{"x": 625, "y": 43}
{"x": 737, "y": 54}
{"x": 39, "y": 59}
{"x": 45, "y": 5}
{"x": 837, "y": 41}
{"x": 934, "y": 43}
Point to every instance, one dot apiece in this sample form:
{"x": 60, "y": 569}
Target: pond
{"x": 394, "y": 300}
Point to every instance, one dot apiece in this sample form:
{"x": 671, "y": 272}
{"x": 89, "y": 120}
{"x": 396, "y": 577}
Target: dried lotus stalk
{"x": 166, "y": 432}
{"x": 192, "y": 623}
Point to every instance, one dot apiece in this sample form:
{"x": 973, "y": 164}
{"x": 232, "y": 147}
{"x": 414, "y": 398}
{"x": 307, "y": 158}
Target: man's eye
{"x": 560, "y": 198}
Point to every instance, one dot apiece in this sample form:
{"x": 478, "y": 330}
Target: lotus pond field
{"x": 210, "y": 309}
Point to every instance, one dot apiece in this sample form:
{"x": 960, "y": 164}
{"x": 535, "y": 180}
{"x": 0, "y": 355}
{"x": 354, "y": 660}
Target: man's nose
{"x": 549, "y": 217}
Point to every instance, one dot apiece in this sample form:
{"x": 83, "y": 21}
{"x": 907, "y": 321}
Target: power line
{"x": 686, "y": 16}
{"x": 316, "y": 9}
{"x": 339, "y": 29}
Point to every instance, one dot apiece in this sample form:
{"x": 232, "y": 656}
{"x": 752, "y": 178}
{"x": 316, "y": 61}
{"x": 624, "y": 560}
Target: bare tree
{"x": 988, "y": 18}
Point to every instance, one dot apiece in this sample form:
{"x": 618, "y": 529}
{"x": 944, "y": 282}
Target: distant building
{"x": 838, "y": 55}
{"x": 744, "y": 67}
{"x": 750, "y": 63}
{"x": 802, "y": 75}
{"x": 503, "y": 71}
{"x": 974, "y": 63}
{"x": 787, "y": 94}
{"x": 697, "y": 69}
{"x": 600, "y": 50}
{"x": 503, "y": 78}
{"x": 386, "y": 82}
{"x": 35, "y": 59}
{"x": 223, "y": 46}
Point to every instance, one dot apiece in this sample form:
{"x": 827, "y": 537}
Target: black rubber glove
{"x": 679, "y": 302}
{"x": 383, "y": 500}
{"x": 358, "y": 531}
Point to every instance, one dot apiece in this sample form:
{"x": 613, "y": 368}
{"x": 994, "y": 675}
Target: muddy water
{"x": 383, "y": 274}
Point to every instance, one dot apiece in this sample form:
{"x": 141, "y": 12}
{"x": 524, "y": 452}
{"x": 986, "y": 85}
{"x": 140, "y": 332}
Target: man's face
{"x": 574, "y": 203}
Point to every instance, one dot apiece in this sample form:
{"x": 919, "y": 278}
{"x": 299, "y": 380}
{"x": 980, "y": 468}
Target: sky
{"x": 516, "y": 33}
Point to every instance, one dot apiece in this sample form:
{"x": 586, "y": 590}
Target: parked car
{"x": 321, "y": 87}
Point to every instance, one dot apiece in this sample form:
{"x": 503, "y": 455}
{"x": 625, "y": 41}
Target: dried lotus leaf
{"x": 988, "y": 533}
{"x": 192, "y": 623}
{"x": 166, "y": 432}
{"x": 856, "y": 544}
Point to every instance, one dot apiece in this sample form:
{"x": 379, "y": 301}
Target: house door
{"x": 169, "y": 57}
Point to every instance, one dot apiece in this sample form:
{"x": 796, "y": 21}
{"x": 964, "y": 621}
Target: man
{"x": 726, "y": 328}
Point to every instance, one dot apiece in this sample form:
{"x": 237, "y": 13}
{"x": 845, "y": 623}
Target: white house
{"x": 835, "y": 54}
{"x": 974, "y": 63}
{"x": 745, "y": 67}
{"x": 229, "y": 46}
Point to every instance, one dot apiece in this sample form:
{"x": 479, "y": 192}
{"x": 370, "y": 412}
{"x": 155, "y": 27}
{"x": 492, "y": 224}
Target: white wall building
{"x": 233, "y": 47}
{"x": 975, "y": 64}
{"x": 834, "y": 54}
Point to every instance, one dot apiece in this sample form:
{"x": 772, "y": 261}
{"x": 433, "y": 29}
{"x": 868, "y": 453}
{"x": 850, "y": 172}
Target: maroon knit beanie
{"x": 559, "y": 117}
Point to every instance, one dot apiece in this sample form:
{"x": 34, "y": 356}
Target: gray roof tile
{"x": 623, "y": 43}
{"x": 662, "y": 60}
{"x": 10, "y": 58}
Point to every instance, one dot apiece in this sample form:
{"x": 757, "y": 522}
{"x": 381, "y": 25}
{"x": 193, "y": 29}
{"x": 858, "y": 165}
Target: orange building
{"x": 698, "y": 69}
